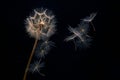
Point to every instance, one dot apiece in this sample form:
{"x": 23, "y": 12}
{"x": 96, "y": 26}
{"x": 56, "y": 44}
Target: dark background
{"x": 62, "y": 62}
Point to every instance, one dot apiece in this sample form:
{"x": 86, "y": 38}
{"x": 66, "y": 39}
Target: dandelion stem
{"x": 92, "y": 26}
{"x": 30, "y": 58}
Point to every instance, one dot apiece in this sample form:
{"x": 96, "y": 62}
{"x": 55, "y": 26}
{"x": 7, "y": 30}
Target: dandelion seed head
{"x": 41, "y": 24}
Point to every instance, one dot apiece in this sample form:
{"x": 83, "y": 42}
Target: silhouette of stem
{"x": 30, "y": 58}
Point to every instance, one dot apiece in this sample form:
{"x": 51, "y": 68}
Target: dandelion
{"x": 39, "y": 26}
{"x": 89, "y": 19}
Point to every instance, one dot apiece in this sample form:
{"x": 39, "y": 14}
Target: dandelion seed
{"x": 77, "y": 32}
{"x": 70, "y": 37}
{"x": 90, "y": 19}
{"x": 43, "y": 53}
{"x": 36, "y": 67}
{"x": 74, "y": 31}
{"x": 83, "y": 27}
{"x": 44, "y": 48}
{"x": 79, "y": 35}
{"x": 84, "y": 42}
{"x": 47, "y": 45}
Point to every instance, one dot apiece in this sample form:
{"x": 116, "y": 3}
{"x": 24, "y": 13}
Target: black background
{"x": 62, "y": 62}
